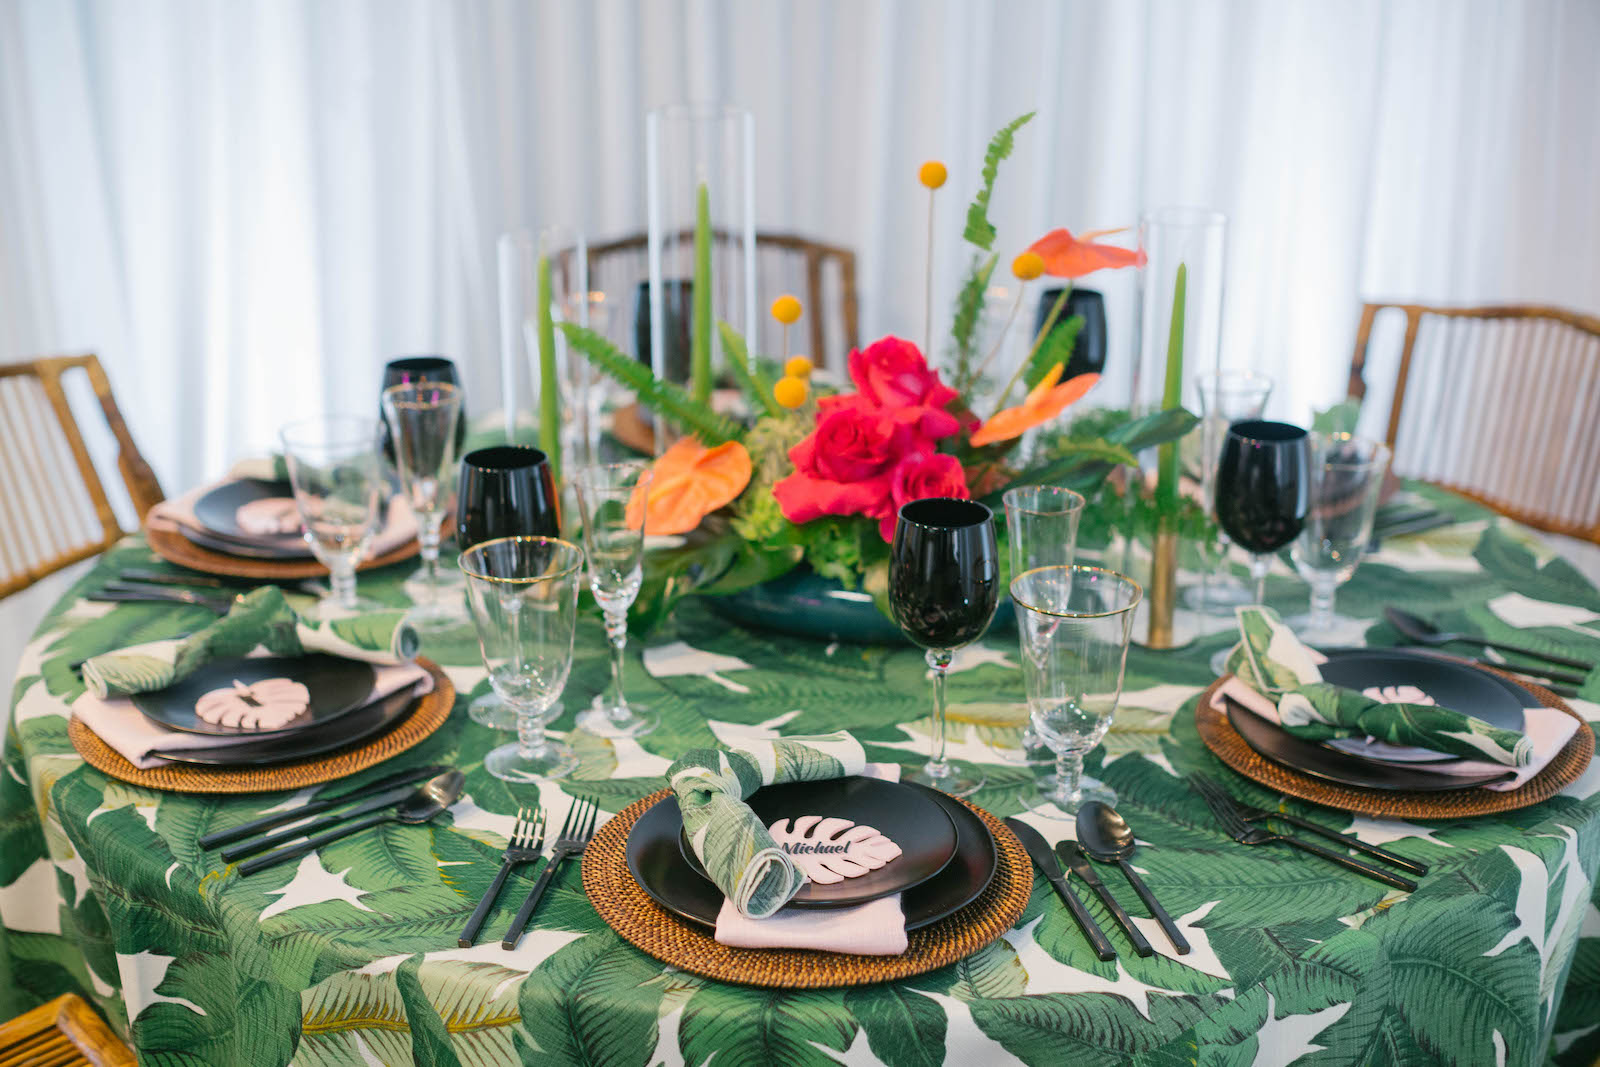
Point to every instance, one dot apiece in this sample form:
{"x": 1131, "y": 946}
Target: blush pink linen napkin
{"x": 123, "y": 726}
{"x": 876, "y": 928}
{"x": 1547, "y": 728}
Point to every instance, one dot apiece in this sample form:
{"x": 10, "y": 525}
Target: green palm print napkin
{"x": 262, "y": 619}
{"x": 754, "y": 874}
{"x": 1273, "y": 662}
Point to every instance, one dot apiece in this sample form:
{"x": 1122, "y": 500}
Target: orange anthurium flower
{"x": 1066, "y": 256}
{"x": 1044, "y": 402}
{"x": 687, "y": 483}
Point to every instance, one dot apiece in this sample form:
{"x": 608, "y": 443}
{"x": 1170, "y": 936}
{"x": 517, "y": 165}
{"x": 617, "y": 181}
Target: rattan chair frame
{"x": 1414, "y": 314}
{"x": 63, "y": 1032}
{"x": 143, "y": 488}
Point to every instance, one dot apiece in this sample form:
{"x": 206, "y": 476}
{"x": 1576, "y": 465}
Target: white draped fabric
{"x": 245, "y": 207}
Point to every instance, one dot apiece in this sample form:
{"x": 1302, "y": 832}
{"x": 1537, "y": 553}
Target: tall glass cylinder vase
{"x": 549, "y": 266}
{"x": 700, "y": 187}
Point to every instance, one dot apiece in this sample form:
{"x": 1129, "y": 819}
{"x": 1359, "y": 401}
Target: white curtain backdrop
{"x": 245, "y": 207}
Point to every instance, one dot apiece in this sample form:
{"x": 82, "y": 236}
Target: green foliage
{"x": 757, "y": 388}
{"x": 1057, "y": 348}
{"x": 664, "y": 398}
{"x": 964, "y": 330}
{"x": 980, "y": 231}
{"x": 747, "y": 1027}
{"x": 1339, "y": 418}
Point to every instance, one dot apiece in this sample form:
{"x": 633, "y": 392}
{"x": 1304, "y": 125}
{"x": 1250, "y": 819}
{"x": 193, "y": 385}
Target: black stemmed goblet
{"x": 944, "y": 583}
{"x": 504, "y": 491}
{"x": 1263, "y": 490}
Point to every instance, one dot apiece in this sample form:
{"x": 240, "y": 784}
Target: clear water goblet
{"x": 523, "y": 595}
{"x": 1347, "y": 475}
{"x": 611, "y": 499}
{"x": 1074, "y": 624}
{"x": 339, "y": 490}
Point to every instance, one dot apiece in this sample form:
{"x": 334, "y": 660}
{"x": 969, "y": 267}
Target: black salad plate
{"x": 921, "y": 828}
{"x": 361, "y": 724}
{"x": 657, "y": 864}
{"x": 217, "y": 513}
{"x": 1448, "y": 683}
{"x": 337, "y": 687}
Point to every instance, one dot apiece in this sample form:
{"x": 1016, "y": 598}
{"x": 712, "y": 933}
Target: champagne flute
{"x": 1226, "y": 397}
{"x": 1263, "y": 487}
{"x": 338, "y": 490}
{"x": 422, "y": 419}
{"x": 944, "y": 583}
{"x": 505, "y": 491}
{"x": 1074, "y": 624}
{"x": 523, "y": 592}
{"x": 1346, "y": 479}
{"x": 1041, "y": 530}
{"x": 611, "y": 498}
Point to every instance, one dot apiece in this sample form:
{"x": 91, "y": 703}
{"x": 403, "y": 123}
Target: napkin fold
{"x": 755, "y": 875}
{"x": 876, "y": 928}
{"x": 1270, "y": 661}
{"x": 124, "y": 727}
{"x": 261, "y": 622}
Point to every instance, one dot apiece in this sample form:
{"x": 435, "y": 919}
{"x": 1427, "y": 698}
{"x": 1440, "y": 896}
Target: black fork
{"x": 1234, "y": 826}
{"x": 576, "y": 830}
{"x": 527, "y": 838}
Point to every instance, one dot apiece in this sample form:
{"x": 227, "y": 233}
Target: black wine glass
{"x": 944, "y": 583}
{"x": 409, "y": 370}
{"x": 677, "y": 299}
{"x": 1089, "y": 350}
{"x": 1263, "y": 489}
{"x": 505, "y": 491}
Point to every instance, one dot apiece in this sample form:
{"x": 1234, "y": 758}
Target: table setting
{"x": 559, "y": 764}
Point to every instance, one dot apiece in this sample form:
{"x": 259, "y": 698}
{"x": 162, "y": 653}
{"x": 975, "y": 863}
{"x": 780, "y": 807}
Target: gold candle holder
{"x": 1163, "y": 589}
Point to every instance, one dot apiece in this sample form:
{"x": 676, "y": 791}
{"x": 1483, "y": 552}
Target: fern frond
{"x": 980, "y": 231}
{"x": 670, "y": 401}
{"x": 751, "y": 380}
{"x": 964, "y": 330}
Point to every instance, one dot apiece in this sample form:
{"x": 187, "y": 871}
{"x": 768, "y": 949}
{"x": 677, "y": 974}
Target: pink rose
{"x": 891, "y": 374}
{"x": 844, "y": 466}
{"x": 920, "y": 475}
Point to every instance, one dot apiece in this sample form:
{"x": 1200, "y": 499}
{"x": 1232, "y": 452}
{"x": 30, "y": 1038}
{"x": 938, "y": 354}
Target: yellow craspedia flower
{"x": 786, "y": 309}
{"x": 790, "y": 392}
{"x": 932, "y": 174}
{"x": 1028, "y": 266}
{"x": 798, "y": 367}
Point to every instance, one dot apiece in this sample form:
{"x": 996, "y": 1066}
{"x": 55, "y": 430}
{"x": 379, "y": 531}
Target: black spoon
{"x": 434, "y": 796}
{"x": 1423, "y": 632}
{"x": 1107, "y": 838}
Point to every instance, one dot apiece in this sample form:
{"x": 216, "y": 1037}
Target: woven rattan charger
{"x": 629, "y": 911}
{"x": 176, "y": 548}
{"x": 430, "y": 713}
{"x": 1224, "y": 741}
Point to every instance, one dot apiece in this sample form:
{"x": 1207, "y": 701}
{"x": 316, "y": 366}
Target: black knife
{"x": 1071, "y": 853}
{"x": 1039, "y": 850}
{"x": 387, "y": 798}
{"x": 278, "y": 818}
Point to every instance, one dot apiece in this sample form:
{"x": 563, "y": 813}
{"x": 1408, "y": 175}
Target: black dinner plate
{"x": 217, "y": 513}
{"x": 1450, "y": 683}
{"x": 360, "y": 725}
{"x": 337, "y": 687}
{"x": 923, "y": 830}
{"x": 657, "y": 865}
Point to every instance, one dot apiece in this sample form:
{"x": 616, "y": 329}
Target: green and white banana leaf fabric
{"x": 1270, "y": 659}
{"x": 349, "y": 956}
{"x": 261, "y": 622}
{"x": 711, "y": 785}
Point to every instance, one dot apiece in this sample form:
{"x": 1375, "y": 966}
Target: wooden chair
{"x": 64, "y": 1032}
{"x": 53, "y": 507}
{"x": 1501, "y": 404}
{"x": 822, "y": 275}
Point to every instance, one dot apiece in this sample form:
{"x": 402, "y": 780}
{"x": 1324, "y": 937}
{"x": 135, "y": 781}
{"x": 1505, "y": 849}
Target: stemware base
{"x": 489, "y": 710}
{"x": 328, "y": 608}
{"x": 547, "y": 760}
{"x": 1088, "y": 791}
{"x": 602, "y": 719}
{"x": 956, "y": 782}
{"x": 1341, "y": 631}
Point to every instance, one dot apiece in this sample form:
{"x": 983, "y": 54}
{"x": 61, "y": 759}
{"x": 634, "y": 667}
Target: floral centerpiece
{"x": 816, "y": 479}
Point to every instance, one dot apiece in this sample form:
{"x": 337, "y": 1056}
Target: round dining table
{"x": 349, "y": 955}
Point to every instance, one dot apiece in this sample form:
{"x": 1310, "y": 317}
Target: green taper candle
{"x": 700, "y": 337}
{"x": 1172, "y": 397}
{"x": 549, "y": 394}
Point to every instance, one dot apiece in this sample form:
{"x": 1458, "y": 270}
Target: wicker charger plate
{"x": 629, "y": 911}
{"x": 430, "y": 714}
{"x": 1224, "y": 741}
{"x": 176, "y": 548}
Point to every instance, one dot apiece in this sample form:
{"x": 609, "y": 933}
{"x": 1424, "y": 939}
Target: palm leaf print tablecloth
{"x": 350, "y": 957}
